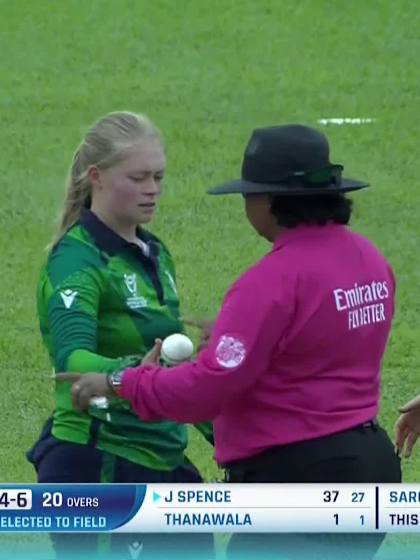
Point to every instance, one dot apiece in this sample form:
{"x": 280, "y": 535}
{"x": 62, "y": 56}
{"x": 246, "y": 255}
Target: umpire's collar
{"x": 107, "y": 240}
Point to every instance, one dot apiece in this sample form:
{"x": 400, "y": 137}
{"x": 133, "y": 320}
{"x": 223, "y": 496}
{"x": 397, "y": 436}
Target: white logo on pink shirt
{"x": 363, "y": 304}
{"x": 230, "y": 352}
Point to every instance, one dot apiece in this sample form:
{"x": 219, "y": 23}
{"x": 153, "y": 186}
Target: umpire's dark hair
{"x": 291, "y": 211}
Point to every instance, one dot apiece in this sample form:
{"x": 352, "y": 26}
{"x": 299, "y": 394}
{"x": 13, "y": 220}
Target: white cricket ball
{"x": 176, "y": 348}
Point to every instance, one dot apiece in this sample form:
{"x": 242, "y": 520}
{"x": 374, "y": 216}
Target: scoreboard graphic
{"x": 261, "y": 508}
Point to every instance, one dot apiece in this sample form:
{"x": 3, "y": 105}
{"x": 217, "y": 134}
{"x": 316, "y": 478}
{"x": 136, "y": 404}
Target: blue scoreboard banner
{"x": 261, "y": 508}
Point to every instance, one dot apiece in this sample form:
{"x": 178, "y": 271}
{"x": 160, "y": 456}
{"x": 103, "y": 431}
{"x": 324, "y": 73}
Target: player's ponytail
{"x": 107, "y": 143}
{"x": 77, "y": 197}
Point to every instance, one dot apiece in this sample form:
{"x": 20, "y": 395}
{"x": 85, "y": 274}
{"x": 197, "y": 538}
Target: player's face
{"x": 257, "y": 208}
{"x": 130, "y": 190}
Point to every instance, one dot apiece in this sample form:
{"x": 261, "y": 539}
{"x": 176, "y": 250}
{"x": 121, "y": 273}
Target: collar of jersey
{"x": 292, "y": 235}
{"x": 107, "y": 240}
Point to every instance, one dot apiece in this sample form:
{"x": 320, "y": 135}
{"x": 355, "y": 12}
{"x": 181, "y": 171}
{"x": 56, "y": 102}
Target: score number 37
{"x": 331, "y": 496}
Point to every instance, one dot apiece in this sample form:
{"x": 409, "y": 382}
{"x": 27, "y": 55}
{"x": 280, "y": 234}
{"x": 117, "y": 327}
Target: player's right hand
{"x": 153, "y": 356}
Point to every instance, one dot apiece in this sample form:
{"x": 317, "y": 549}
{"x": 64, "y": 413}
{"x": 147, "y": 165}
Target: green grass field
{"x": 207, "y": 73}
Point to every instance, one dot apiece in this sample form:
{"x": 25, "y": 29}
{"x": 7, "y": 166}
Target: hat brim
{"x": 242, "y": 186}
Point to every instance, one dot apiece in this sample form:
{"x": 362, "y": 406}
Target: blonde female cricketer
{"x": 106, "y": 292}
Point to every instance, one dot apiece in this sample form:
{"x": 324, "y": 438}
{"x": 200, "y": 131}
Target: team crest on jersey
{"x": 134, "y": 301}
{"x": 230, "y": 352}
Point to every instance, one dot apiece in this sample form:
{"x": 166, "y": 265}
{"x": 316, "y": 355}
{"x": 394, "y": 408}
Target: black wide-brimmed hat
{"x": 289, "y": 160}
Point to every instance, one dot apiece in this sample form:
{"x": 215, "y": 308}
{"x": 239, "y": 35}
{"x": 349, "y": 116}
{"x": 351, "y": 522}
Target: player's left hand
{"x": 205, "y": 327}
{"x": 85, "y": 387}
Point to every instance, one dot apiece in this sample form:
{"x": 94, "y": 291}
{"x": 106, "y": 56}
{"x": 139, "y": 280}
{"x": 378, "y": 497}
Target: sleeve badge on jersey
{"x": 230, "y": 352}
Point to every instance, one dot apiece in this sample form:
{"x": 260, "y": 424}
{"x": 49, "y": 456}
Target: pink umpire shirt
{"x": 295, "y": 353}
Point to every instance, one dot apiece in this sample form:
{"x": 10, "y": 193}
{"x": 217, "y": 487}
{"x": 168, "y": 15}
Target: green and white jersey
{"x": 102, "y": 302}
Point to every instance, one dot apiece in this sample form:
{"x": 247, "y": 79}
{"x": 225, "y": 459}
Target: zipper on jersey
{"x": 151, "y": 266}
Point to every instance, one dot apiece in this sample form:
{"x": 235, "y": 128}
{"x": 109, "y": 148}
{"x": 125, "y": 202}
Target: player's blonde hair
{"x": 107, "y": 143}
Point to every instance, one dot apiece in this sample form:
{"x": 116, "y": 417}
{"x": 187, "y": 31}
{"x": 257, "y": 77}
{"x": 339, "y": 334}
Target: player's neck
{"x": 125, "y": 230}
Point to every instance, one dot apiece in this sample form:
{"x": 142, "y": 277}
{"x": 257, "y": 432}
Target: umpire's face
{"x": 258, "y": 212}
